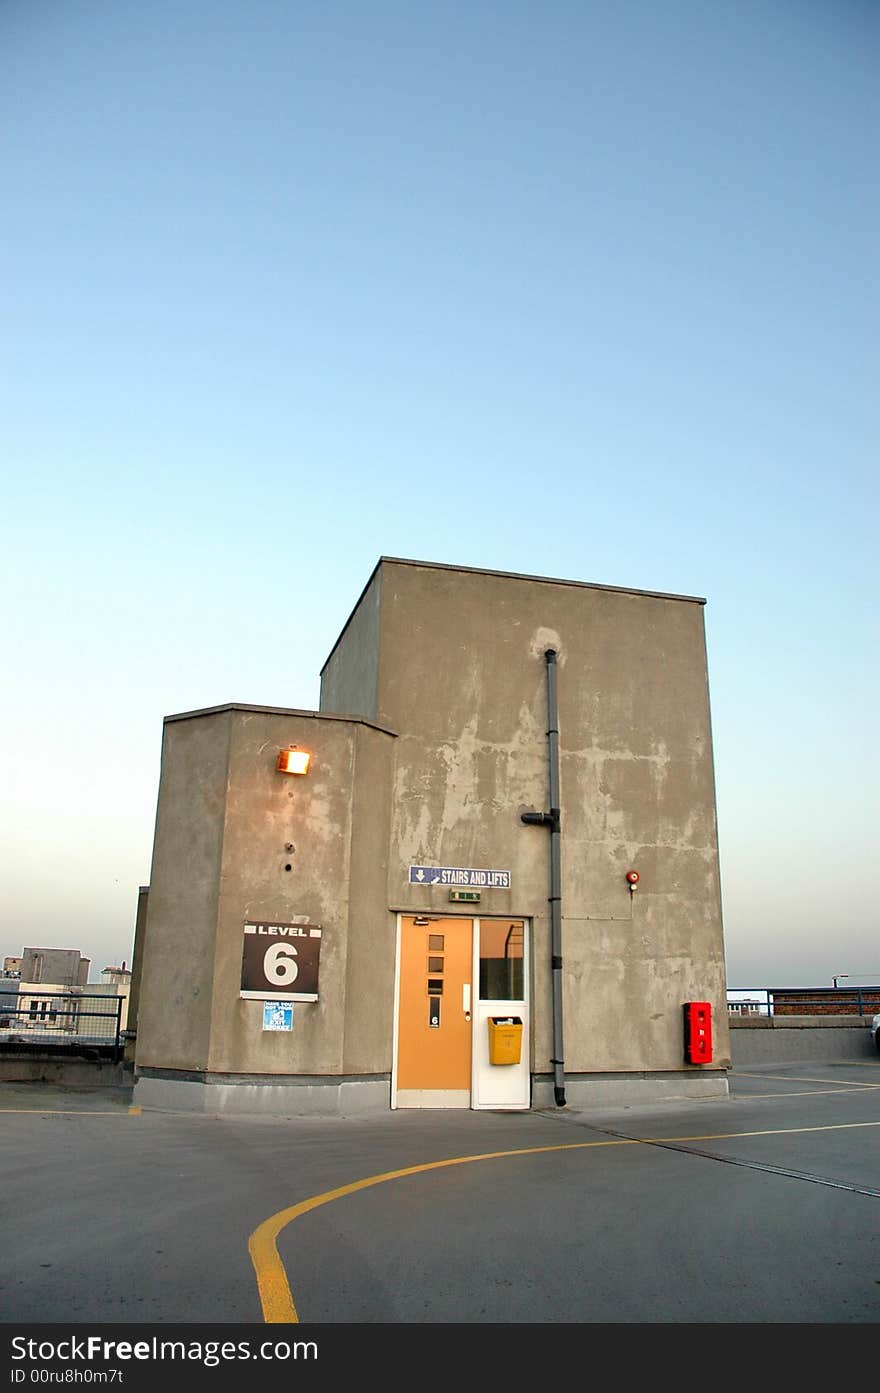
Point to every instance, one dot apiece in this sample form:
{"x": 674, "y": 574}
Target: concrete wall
{"x": 371, "y": 927}
{"x": 178, "y": 950}
{"x": 73, "y": 1072}
{"x": 350, "y": 676}
{"x": 462, "y": 677}
{"x": 237, "y": 841}
{"x": 63, "y": 966}
{"x": 801, "y": 1042}
{"x": 793, "y": 1039}
{"x": 140, "y": 936}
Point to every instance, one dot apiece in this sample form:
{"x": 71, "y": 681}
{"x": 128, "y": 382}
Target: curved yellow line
{"x": 275, "y": 1297}
{"x": 274, "y": 1291}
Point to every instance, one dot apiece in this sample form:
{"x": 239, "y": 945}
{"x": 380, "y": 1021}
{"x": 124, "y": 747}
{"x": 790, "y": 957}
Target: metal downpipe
{"x": 551, "y": 820}
{"x": 555, "y": 881}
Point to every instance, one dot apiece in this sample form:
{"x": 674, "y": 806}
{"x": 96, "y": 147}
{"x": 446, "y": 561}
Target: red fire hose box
{"x": 698, "y": 1032}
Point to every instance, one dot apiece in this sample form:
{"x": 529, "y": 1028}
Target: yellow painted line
{"x": 74, "y": 1112}
{"x": 275, "y": 1297}
{"x": 768, "y": 1132}
{"x": 272, "y": 1285}
{"x": 786, "y": 1078}
{"x": 800, "y": 1093}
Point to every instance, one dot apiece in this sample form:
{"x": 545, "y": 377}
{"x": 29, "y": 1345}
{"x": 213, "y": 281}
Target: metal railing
{"x": 61, "y": 1022}
{"x": 804, "y": 1001}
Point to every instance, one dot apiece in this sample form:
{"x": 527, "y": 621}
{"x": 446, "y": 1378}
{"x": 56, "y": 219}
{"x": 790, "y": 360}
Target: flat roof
{"x": 276, "y": 711}
{"x": 510, "y": 575}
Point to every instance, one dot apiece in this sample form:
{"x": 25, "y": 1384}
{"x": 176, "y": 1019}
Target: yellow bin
{"x": 505, "y": 1039}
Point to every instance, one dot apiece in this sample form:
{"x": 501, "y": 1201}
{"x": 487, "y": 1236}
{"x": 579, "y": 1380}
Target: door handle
{"x": 466, "y": 1000}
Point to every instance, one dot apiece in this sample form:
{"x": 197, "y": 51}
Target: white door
{"x": 501, "y": 1014}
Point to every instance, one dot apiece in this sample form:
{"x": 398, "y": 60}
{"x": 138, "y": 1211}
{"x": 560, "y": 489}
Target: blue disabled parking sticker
{"x": 277, "y": 1015}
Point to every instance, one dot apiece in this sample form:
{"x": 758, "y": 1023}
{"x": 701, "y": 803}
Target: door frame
{"x": 479, "y": 1010}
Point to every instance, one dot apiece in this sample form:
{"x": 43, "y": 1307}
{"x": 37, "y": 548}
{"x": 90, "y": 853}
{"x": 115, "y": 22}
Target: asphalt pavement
{"x": 760, "y": 1209}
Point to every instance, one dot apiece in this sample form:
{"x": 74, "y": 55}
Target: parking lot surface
{"x": 763, "y": 1208}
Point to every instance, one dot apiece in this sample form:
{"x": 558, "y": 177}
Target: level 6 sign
{"x": 280, "y": 961}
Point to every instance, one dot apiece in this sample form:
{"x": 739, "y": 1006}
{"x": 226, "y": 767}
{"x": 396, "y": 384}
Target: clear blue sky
{"x": 584, "y": 288}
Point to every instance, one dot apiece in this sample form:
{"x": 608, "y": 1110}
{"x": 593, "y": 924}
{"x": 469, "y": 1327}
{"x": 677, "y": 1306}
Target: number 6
{"x": 278, "y": 964}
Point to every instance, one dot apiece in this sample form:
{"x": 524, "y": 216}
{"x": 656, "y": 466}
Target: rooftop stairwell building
{"x": 495, "y": 886}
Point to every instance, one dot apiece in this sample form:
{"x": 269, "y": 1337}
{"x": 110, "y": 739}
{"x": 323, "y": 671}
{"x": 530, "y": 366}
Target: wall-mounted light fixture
{"x": 293, "y": 761}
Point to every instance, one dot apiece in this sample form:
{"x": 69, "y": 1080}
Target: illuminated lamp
{"x": 293, "y": 761}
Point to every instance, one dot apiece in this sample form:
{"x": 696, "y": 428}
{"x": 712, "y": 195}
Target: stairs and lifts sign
{"x": 459, "y": 877}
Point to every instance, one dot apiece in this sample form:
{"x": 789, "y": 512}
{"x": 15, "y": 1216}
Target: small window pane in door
{"x": 501, "y": 961}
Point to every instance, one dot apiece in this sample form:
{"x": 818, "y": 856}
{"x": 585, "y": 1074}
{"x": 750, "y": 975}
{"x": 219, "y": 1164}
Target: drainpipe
{"x": 551, "y": 820}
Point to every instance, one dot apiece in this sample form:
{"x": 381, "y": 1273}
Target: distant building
{"x": 825, "y": 1001}
{"x": 747, "y": 1008}
{"x": 50, "y": 996}
{"x": 8, "y": 1000}
{"x": 119, "y": 979}
{"x": 45, "y": 1007}
{"x": 119, "y": 976}
{"x": 62, "y": 966}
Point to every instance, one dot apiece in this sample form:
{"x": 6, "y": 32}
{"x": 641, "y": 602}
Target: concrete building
{"x": 64, "y": 967}
{"x": 56, "y": 1000}
{"x": 114, "y": 981}
{"x": 496, "y": 885}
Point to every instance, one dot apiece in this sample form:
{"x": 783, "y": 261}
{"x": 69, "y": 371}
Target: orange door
{"x": 434, "y": 1012}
